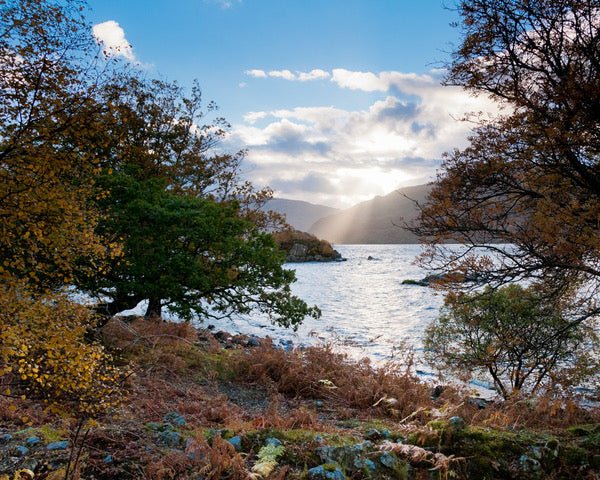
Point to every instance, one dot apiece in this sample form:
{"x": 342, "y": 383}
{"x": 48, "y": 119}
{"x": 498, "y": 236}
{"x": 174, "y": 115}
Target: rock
{"x": 478, "y": 402}
{"x": 365, "y": 464}
{"x": 253, "y": 342}
{"x": 21, "y": 451}
{"x": 304, "y": 247}
{"x": 298, "y": 250}
{"x": 456, "y": 423}
{"x": 529, "y": 464}
{"x": 370, "y": 258}
{"x": 418, "y": 283}
{"x": 222, "y": 336}
{"x": 373, "y": 434}
{"x": 30, "y": 464}
{"x": 273, "y": 441}
{"x": 326, "y": 471}
{"x": 236, "y": 442}
{"x": 170, "y": 438}
{"x": 31, "y": 441}
{"x": 436, "y": 392}
{"x": 175, "y": 419}
{"x": 388, "y": 460}
{"x": 286, "y": 345}
{"x": 61, "y": 445}
{"x": 5, "y": 438}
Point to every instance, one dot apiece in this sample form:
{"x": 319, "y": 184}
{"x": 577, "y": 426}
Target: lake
{"x": 365, "y": 308}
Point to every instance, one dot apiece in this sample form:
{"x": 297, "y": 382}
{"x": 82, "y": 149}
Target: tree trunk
{"x": 154, "y": 309}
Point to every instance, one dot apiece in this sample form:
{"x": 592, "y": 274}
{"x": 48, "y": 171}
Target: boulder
{"x": 328, "y": 471}
{"x": 61, "y": 445}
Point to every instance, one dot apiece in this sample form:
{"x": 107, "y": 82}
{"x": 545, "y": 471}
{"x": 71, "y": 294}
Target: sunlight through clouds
{"x": 328, "y": 151}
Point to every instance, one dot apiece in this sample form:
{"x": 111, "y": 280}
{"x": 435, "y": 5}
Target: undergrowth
{"x": 305, "y": 398}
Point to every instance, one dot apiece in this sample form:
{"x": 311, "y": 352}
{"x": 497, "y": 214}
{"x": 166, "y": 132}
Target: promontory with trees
{"x": 112, "y": 185}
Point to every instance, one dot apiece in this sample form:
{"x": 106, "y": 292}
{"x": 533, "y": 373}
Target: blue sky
{"x": 336, "y": 100}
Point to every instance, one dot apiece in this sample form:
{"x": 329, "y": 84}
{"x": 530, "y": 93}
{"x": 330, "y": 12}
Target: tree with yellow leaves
{"x": 47, "y": 170}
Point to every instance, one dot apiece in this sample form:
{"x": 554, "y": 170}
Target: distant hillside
{"x": 300, "y": 215}
{"x": 374, "y": 221}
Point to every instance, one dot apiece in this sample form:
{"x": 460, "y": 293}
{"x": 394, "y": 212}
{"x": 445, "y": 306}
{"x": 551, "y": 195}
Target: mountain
{"x": 300, "y": 215}
{"x": 375, "y": 221}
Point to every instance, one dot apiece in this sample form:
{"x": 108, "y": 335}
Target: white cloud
{"x": 252, "y": 117}
{"x": 340, "y": 156}
{"x": 242, "y": 84}
{"x": 366, "y": 81}
{"x": 315, "y": 74}
{"x": 256, "y": 73}
{"x": 111, "y": 37}
{"x": 285, "y": 74}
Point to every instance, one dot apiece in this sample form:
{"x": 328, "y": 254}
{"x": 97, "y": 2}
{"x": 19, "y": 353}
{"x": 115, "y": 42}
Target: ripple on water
{"x": 365, "y": 308}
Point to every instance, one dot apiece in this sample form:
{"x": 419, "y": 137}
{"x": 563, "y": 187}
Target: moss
{"x": 584, "y": 430}
{"x": 588, "y": 436}
{"x": 575, "y": 456}
{"x": 47, "y": 432}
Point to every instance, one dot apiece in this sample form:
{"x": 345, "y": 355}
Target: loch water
{"x": 366, "y": 310}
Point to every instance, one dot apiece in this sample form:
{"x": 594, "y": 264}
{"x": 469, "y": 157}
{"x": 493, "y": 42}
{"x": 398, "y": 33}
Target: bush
{"x": 513, "y": 334}
{"x": 44, "y": 355}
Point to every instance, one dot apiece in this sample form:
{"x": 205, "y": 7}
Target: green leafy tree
{"x": 193, "y": 231}
{"x": 513, "y": 334}
{"x": 195, "y": 256}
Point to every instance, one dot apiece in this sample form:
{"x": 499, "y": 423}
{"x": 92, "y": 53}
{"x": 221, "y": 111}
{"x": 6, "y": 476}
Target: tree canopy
{"x": 196, "y": 256}
{"x": 194, "y": 236}
{"x": 47, "y": 123}
{"x": 527, "y": 188}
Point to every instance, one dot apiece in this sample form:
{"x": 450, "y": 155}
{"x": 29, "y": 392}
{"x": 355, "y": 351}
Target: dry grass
{"x": 244, "y": 390}
{"x": 320, "y": 373}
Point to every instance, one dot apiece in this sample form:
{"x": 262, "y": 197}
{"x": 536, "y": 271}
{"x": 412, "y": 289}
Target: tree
{"x": 193, "y": 232}
{"x": 194, "y": 255}
{"x": 527, "y": 188}
{"x": 513, "y": 334}
{"x": 49, "y": 144}
{"x": 47, "y": 122}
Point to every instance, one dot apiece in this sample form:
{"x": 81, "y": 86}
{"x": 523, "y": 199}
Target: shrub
{"x": 44, "y": 355}
{"x": 513, "y": 334}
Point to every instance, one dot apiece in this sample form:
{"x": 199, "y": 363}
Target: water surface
{"x": 365, "y": 308}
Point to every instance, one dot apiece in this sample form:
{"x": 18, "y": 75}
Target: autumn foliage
{"x": 526, "y": 190}
{"x": 43, "y": 355}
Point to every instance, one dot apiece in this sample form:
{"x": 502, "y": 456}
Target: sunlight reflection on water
{"x": 366, "y": 309}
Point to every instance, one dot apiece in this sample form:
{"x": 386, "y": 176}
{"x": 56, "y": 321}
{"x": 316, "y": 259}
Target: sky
{"x": 336, "y": 101}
